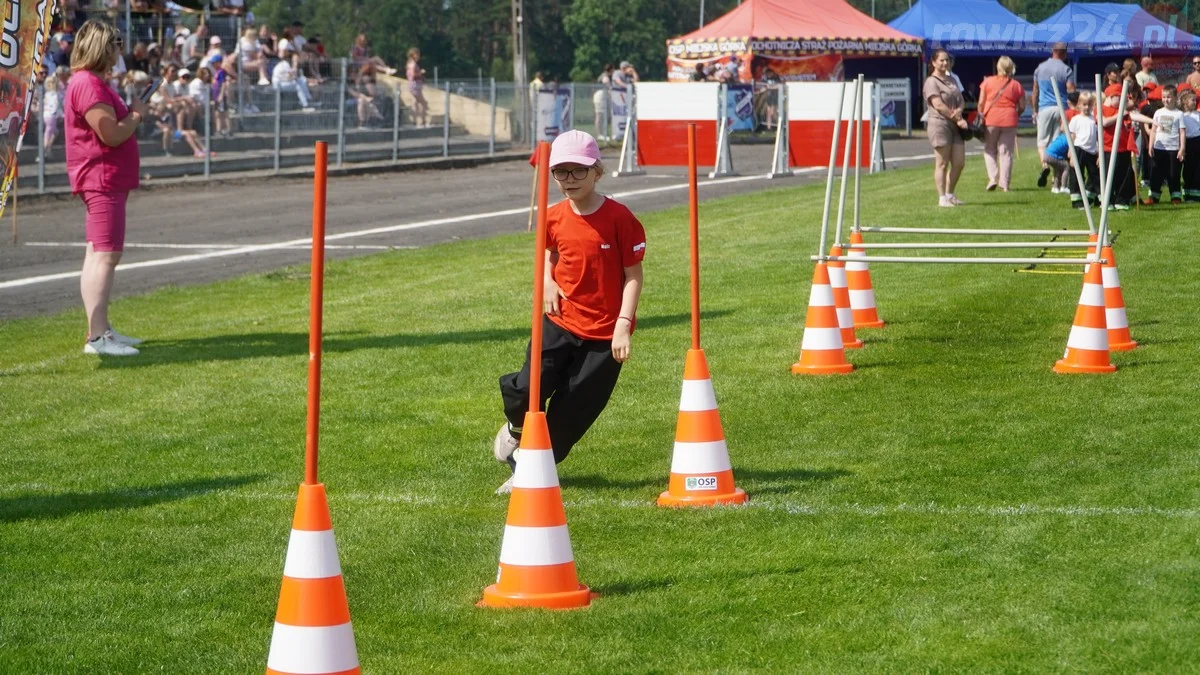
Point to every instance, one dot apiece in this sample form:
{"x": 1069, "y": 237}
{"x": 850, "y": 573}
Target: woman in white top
{"x": 249, "y": 50}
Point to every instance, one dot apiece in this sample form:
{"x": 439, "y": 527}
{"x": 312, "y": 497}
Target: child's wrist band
{"x": 626, "y": 318}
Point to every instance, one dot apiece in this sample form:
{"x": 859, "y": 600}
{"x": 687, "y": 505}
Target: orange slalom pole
{"x": 314, "y": 315}
{"x": 694, "y": 214}
{"x": 539, "y": 272}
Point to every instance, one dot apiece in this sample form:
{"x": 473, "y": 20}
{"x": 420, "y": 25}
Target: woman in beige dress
{"x": 943, "y": 124}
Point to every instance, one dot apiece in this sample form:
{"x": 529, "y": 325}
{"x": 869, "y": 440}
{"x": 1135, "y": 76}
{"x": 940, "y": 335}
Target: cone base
{"x": 1122, "y": 346}
{"x": 857, "y": 344}
{"x": 870, "y": 324}
{"x": 493, "y": 597}
{"x": 738, "y": 496}
{"x": 834, "y": 369}
{"x": 1065, "y": 368}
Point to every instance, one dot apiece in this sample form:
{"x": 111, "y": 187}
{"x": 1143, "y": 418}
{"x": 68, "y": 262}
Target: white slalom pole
{"x": 969, "y": 231}
{"x": 852, "y": 132}
{"x": 1099, "y": 114}
{"x": 1112, "y": 165}
{"x": 837, "y": 137}
{"x": 978, "y": 244}
{"x": 965, "y": 261}
{"x": 858, "y": 105}
{"x": 1062, "y": 117}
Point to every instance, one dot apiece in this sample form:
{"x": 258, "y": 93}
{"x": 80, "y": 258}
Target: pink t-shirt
{"x": 92, "y": 165}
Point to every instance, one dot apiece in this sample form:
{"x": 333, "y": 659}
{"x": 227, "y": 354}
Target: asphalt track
{"x": 191, "y": 234}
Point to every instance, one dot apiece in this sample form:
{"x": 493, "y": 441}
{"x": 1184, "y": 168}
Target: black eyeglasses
{"x": 1195, "y": 63}
{"x": 578, "y": 173}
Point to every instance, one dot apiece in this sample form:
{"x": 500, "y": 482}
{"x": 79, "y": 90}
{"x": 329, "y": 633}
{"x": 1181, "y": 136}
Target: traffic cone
{"x": 821, "y": 350}
{"x": 701, "y": 474}
{"x": 862, "y": 294}
{"x": 537, "y": 566}
{"x": 312, "y": 625}
{"x": 1087, "y": 345}
{"x": 1119, "y": 339}
{"x": 841, "y": 300}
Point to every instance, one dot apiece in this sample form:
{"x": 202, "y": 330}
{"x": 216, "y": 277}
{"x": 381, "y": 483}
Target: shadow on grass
{"x": 49, "y": 506}
{"x": 260, "y": 345}
{"x": 634, "y": 586}
{"x": 783, "y": 481}
{"x": 597, "y": 482}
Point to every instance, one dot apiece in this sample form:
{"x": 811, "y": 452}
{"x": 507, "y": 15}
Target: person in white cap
{"x": 593, "y": 280}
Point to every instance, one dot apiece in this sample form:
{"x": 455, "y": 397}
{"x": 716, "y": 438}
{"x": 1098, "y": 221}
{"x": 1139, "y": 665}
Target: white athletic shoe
{"x": 505, "y": 487}
{"x": 106, "y": 346}
{"x": 955, "y": 200}
{"x": 119, "y": 338}
{"x": 505, "y": 446}
{"x": 945, "y": 202}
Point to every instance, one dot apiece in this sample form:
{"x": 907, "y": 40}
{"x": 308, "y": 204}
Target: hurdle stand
{"x": 628, "y": 166}
{"x": 724, "y": 164}
{"x": 780, "y": 167}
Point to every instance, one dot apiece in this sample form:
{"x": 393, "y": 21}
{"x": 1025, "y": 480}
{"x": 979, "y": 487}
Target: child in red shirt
{"x": 1124, "y": 188}
{"x": 594, "y": 251}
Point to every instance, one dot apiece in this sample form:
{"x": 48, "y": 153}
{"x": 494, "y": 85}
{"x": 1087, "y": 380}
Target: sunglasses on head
{"x": 578, "y": 173}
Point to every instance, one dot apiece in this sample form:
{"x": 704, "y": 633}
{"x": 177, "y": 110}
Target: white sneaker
{"x": 955, "y": 200}
{"x": 505, "y": 446}
{"x": 262, "y": 82}
{"x": 505, "y": 488}
{"x": 113, "y": 335}
{"x": 106, "y": 346}
{"x": 944, "y": 202}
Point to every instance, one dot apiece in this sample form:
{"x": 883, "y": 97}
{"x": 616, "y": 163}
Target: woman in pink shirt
{"x": 1001, "y": 102}
{"x": 102, "y": 163}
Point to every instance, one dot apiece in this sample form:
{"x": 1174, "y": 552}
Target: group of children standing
{"x": 1166, "y": 121}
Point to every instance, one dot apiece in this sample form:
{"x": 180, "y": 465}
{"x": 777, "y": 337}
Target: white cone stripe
{"x": 693, "y": 458}
{"x": 821, "y": 295}
{"x": 535, "y": 469}
{"x": 837, "y": 277}
{"x": 531, "y": 546}
{"x": 697, "y": 395}
{"x": 822, "y": 338}
{"x": 1111, "y": 278}
{"x": 1095, "y": 339}
{"x": 845, "y": 317}
{"x": 862, "y": 299}
{"x": 310, "y": 650}
{"x": 1092, "y": 295}
{"x": 1115, "y": 318}
{"x": 311, "y": 555}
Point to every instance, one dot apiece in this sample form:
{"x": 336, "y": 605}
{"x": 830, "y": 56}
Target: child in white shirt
{"x": 1191, "y": 156}
{"x": 1169, "y": 148}
{"x": 1085, "y": 136}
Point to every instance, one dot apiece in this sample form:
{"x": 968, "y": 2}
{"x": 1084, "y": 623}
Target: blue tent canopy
{"x": 1111, "y": 28}
{"x": 970, "y": 28}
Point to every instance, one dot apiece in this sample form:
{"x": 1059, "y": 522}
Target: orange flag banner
{"x": 26, "y": 28}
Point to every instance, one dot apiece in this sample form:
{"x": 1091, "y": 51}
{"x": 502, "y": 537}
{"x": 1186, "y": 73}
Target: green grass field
{"x": 952, "y": 505}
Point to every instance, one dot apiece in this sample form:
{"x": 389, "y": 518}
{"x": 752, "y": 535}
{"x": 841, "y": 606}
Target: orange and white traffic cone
{"x": 1119, "y": 339}
{"x": 841, "y": 300}
{"x": 701, "y": 474}
{"x": 1087, "y": 345}
{"x": 312, "y": 624}
{"x": 537, "y": 565}
{"x": 821, "y": 350}
{"x": 862, "y": 294}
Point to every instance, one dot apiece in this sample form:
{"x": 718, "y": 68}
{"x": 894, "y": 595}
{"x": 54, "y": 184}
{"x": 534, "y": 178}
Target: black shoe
{"x": 1042, "y": 178}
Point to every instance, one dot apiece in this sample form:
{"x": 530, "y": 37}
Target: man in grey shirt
{"x": 194, "y": 46}
{"x": 1051, "y": 74}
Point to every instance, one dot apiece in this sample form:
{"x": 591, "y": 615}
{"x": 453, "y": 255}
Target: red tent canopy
{"x": 794, "y": 28}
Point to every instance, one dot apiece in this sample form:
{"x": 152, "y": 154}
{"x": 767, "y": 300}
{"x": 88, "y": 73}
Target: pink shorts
{"x": 105, "y": 219}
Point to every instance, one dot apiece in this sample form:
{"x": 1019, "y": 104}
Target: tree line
{"x": 568, "y": 39}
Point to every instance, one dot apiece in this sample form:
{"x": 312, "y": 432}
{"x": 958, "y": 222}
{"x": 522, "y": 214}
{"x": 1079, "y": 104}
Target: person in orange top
{"x": 1124, "y": 189}
{"x": 1002, "y": 100}
{"x": 594, "y": 251}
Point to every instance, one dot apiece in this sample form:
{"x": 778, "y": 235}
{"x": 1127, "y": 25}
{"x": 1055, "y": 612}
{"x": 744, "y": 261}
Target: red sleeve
{"x": 632, "y": 240}
{"x": 551, "y": 223}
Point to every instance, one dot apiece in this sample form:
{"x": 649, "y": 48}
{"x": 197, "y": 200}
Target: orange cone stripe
{"x": 821, "y": 316}
{"x": 724, "y": 484}
{"x": 695, "y": 367}
{"x": 532, "y": 579}
{"x": 698, "y": 426}
{"x": 1086, "y": 357}
{"x": 536, "y": 507}
{"x": 352, "y": 671}
{"x": 312, "y": 510}
{"x": 313, "y": 602}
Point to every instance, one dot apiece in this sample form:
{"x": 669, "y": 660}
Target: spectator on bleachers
{"x": 176, "y": 83}
{"x": 318, "y": 60}
{"x": 249, "y": 50}
{"x": 286, "y": 78}
{"x": 52, "y": 103}
{"x": 139, "y": 58}
{"x": 286, "y": 49}
{"x": 415, "y": 75}
{"x": 63, "y": 58}
{"x": 221, "y": 94}
{"x": 266, "y": 43}
{"x": 193, "y": 47}
{"x": 198, "y": 87}
{"x": 215, "y": 50}
{"x": 230, "y": 7}
{"x": 164, "y": 119}
{"x": 154, "y": 58}
{"x": 360, "y": 55}
{"x": 363, "y": 90}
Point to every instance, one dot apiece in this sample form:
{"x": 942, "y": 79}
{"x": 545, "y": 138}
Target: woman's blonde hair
{"x": 95, "y": 47}
{"x": 1005, "y": 66}
{"x": 413, "y": 52}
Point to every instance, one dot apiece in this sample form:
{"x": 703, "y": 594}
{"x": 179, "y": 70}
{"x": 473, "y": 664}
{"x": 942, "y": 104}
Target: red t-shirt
{"x": 589, "y": 255}
{"x": 1128, "y": 143}
{"x": 92, "y": 165}
{"x": 1071, "y": 113}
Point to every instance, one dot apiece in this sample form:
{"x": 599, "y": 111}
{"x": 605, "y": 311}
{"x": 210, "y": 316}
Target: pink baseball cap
{"x": 574, "y": 147}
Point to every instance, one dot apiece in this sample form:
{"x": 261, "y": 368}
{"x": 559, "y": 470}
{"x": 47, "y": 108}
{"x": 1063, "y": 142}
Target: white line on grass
{"x": 208, "y": 247}
{"x": 301, "y": 243}
{"x": 792, "y": 508}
